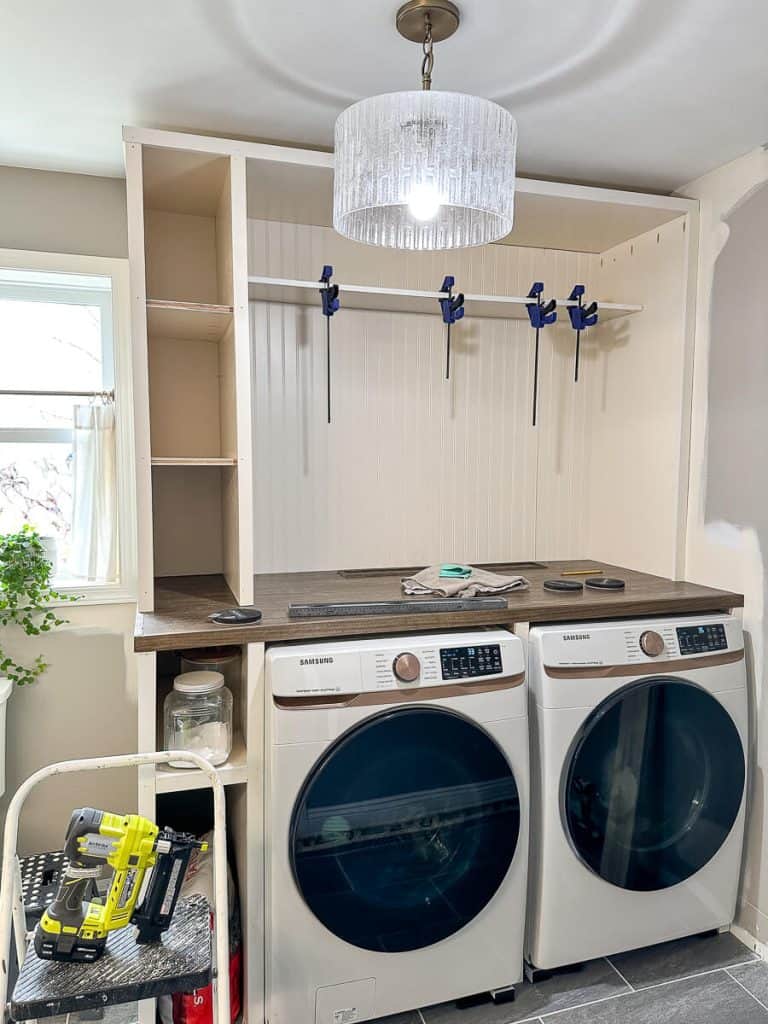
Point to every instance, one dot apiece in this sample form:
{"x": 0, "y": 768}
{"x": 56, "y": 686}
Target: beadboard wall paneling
{"x": 563, "y": 427}
{"x": 300, "y": 251}
{"x": 637, "y": 377}
{"x": 413, "y": 468}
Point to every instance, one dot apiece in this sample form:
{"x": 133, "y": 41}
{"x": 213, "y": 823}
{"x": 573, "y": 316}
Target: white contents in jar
{"x": 209, "y": 740}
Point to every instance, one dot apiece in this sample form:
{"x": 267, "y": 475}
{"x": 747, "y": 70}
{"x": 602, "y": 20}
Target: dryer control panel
{"x": 640, "y": 642}
{"x": 702, "y": 639}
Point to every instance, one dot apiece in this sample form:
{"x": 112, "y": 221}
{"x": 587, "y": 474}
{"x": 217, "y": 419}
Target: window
{"x": 65, "y": 427}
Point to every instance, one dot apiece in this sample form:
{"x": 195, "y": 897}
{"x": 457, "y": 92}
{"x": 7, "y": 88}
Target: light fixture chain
{"x": 428, "y": 62}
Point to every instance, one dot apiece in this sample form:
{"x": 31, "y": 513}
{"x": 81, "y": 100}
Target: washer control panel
{"x": 702, "y": 639}
{"x": 464, "y": 662}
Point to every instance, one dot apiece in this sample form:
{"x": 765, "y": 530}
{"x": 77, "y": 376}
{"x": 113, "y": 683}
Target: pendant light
{"x": 423, "y": 169}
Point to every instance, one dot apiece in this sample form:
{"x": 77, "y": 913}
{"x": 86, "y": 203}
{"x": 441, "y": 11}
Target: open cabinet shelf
{"x": 193, "y": 231}
{"x": 409, "y": 300}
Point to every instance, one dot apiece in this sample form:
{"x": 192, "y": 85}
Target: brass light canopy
{"x": 443, "y": 16}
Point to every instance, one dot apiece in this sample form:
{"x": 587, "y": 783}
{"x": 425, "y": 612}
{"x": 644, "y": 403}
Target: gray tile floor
{"x": 702, "y": 980}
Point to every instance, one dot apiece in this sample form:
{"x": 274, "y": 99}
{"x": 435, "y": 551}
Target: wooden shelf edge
{"x": 173, "y": 461}
{"x": 190, "y": 307}
{"x": 408, "y": 300}
{"x": 194, "y": 321}
{"x": 233, "y": 772}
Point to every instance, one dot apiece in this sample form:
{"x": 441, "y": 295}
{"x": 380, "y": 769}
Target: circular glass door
{"x": 654, "y": 784}
{"x": 405, "y": 829}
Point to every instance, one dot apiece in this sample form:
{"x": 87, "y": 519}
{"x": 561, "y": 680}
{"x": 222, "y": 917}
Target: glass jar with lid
{"x": 226, "y": 660}
{"x": 198, "y": 717}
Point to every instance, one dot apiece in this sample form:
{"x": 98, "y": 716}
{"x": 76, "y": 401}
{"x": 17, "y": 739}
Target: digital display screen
{"x": 701, "y": 639}
{"x": 465, "y": 662}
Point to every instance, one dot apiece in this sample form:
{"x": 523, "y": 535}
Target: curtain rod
{"x": 109, "y": 393}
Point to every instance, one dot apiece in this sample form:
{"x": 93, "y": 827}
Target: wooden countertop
{"x": 183, "y": 604}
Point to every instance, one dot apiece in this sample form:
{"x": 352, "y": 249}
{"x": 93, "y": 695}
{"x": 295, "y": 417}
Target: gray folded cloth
{"x": 429, "y": 581}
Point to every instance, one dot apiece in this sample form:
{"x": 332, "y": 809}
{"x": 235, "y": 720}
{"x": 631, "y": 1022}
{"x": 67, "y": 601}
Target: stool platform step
{"x": 180, "y": 962}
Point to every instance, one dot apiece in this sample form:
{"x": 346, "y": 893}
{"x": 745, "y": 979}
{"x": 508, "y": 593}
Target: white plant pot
{"x": 50, "y": 546}
{"x": 6, "y": 688}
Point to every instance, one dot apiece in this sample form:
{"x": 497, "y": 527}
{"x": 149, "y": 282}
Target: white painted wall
{"x": 73, "y": 213}
{"x": 728, "y": 550}
{"x": 85, "y": 703}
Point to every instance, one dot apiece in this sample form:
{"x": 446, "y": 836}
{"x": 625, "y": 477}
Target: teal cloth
{"x": 452, "y": 571}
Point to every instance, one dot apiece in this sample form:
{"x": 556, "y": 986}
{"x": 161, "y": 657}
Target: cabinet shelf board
{"x": 172, "y": 460}
{"x": 233, "y": 772}
{"x": 195, "y": 321}
{"x": 407, "y": 300}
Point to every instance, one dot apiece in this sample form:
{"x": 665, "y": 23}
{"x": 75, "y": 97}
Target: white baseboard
{"x": 761, "y": 948}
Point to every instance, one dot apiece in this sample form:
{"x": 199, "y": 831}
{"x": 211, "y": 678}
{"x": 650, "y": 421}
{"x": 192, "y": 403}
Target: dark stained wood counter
{"x": 183, "y": 604}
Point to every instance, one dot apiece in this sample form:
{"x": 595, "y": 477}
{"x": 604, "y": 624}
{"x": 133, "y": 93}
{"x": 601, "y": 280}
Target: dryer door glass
{"x": 405, "y": 829}
{"x": 654, "y": 784}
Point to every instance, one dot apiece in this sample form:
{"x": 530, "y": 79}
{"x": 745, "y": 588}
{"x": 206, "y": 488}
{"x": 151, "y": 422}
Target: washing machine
{"x": 396, "y": 824}
{"x": 639, "y": 734}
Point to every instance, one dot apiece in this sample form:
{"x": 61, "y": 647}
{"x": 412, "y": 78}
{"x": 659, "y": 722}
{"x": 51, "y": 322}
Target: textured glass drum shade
{"x": 424, "y": 170}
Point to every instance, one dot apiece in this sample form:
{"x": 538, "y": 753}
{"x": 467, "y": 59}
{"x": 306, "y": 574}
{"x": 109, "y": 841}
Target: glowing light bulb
{"x": 424, "y": 202}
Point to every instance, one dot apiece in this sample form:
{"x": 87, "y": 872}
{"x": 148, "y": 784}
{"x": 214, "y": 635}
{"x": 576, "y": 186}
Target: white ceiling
{"x": 636, "y": 93}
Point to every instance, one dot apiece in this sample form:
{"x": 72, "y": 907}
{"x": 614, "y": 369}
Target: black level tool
{"x": 416, "y": 607}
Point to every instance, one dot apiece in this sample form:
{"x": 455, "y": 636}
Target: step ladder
{"x": 183, "y": 960}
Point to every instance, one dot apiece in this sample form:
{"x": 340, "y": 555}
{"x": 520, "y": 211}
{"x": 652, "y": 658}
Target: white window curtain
{"x": 94, "y": 498}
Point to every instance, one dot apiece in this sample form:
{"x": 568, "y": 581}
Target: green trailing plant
{"x": 26, "y": 596}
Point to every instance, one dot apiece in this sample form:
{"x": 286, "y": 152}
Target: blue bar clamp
{"x": 452, "y": 308}
{"x": 541, "y": 314}
{"x": 581, "y": 317}
{"x": 329, "y": 295}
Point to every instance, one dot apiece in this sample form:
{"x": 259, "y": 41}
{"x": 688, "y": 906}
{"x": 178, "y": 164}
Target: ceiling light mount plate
{"x": 443, "y": 15}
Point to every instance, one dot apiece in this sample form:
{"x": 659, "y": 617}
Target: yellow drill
{"x": 74, "y": 930}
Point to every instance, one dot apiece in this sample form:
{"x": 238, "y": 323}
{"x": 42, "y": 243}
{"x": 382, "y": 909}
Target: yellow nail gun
{"x": 73, "y": 930}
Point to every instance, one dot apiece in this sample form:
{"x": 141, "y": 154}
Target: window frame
{"x": 124, "y": 590}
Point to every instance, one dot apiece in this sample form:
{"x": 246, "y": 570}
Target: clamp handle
{"x": 329, "y": 293}
{"x": 452, "y": 306}
{"x": 540, "y": 314}
{"x": 452, "y": 309}
{"x": 581, "y": 316}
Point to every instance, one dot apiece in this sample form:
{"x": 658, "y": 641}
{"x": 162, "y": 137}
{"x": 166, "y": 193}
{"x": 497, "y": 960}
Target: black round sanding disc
{"x": 236, "y": 616}
{"x": 604, "y": 583}
{"x": 563, "y": 586}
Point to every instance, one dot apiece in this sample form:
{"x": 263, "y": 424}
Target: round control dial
{"x": 406, "y": 667}
{"x": 651, "y": 643}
